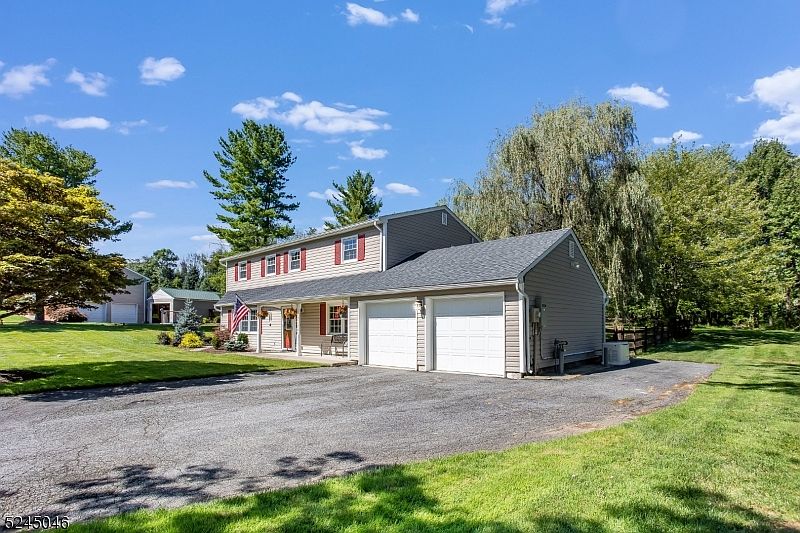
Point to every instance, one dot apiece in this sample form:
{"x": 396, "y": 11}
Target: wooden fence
{"x": 640, "y": 339}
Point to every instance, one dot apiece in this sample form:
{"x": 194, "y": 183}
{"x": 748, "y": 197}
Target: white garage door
{"x": 124, "y": 313}
{"x": 392, "y": 334}
{"x": 95, "y": 315}
{"x": 469, "y": 335}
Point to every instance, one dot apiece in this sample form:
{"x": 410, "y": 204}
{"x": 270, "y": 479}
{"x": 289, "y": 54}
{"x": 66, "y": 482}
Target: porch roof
{"x": 489, "y": 262}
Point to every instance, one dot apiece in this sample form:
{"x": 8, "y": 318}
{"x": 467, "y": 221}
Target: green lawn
{"x": 726, "y": 459}
{"x": 91, "y": 355}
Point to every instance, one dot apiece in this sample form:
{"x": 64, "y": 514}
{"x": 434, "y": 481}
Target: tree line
{"x": 682, "y": 234}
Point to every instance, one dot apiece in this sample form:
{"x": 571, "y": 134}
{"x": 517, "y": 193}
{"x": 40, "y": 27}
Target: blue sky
{"x": 412, "y": 91}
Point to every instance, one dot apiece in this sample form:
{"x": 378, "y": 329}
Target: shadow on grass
{"x": 705, "y": 339}
{"x": 82, "y": 381}
{"x": 388, "y": 498}
{"x": 767, "y": 377}
{"x": 691, "y": 508}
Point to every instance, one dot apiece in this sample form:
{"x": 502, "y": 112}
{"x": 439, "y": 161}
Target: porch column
{"x": 258, "y": 334}
{"x": 299, "y": 347}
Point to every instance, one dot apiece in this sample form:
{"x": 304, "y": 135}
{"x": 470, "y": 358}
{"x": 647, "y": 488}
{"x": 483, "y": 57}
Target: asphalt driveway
{"x": 105, "y": 451}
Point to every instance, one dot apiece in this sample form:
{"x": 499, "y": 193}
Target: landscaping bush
{"x": 219, "y": 337}
{"x": 66, "y": 314}
{"x": 243, "y": 338}
{"x": 188, "y": 320}
{"x": 164, "y": 338}
{"x": 191, "y": 340}
{"x": 239, "y": 345}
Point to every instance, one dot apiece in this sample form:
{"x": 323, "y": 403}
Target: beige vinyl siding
{"x": 271, "y": 331}
{"x": 352, "y": 329}
{"x": 319, "y": 262}
{"x": 309, "y": 329}
{"x": 511, "y": 304}
{"x": 573, "y": 300}
{"x": 412, "y": 234}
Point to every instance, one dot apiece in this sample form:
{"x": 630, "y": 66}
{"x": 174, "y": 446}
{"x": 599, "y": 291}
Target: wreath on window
{"x": 339, "y": 311}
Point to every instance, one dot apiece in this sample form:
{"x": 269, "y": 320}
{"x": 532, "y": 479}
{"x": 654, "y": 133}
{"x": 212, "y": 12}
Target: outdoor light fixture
{"x": 419, "y": 305}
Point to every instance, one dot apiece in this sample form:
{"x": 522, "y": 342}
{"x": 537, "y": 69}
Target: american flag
{"x": 240, "y": 312}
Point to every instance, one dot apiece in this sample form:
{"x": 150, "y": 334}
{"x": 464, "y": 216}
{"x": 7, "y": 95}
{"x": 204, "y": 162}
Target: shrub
{"x": 191, "y": 340}
{"x": 66, "y": 314}
{"x": 219, "y": 337}
{"x": 164, "y": 338}
{"x": 235, "y": 346}
{"x": 243, "y": 338}
{"x": 187, "y": 321}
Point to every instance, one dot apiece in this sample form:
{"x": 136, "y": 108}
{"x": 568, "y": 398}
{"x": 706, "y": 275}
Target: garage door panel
{"x": 95, "y": 315}
{"x": 392, "y": 334}
{"x": 124, "y": 313}
{"x": 469, "y": 335}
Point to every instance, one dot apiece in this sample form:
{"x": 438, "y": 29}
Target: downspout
{"x": 383, "y": 247}
{"x": 525, "y": 363}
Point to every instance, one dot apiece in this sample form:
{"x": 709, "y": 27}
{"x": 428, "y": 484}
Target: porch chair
{"x": 337, "y": 345}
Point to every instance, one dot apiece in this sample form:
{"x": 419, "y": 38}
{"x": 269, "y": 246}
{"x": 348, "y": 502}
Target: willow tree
{"x": 573, "y": 166}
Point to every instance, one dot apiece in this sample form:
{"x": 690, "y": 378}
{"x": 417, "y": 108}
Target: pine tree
{"x": 188, "y": 320}
{"x": 251, "y": 187}
{"x": 355, "y": 201}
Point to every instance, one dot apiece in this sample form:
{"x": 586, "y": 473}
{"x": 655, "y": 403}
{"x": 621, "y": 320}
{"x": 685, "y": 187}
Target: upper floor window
{"x": 350, "y": 248}
{"x": 249, "y": 324}
{"x": 242, "y": 270}
{"x": 270, "y": 265}
{"x": 444, "y": 218}
{"x": 294, "y": 260}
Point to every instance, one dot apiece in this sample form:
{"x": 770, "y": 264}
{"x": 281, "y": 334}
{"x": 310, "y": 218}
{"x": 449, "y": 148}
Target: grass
{"x": 74, "y": 356}
{"x": 726, "y": 459}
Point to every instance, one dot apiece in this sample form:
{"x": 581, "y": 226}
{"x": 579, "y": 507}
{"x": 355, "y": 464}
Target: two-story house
{"x": 419, "y": 290}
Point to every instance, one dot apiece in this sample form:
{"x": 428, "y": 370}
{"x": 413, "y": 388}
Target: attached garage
{"x": 124, "y": 313}
{"x": 391, "y": 334}
{"x": 469, "y": 334}
{"x": 97, "y": 314}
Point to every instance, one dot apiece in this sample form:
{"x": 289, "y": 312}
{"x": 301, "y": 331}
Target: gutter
{"x": 525, "y": 362}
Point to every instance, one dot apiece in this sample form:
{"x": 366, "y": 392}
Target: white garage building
{"x": 125, "y": 308}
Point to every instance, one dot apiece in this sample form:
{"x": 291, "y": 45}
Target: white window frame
{"x": 342, "y": 321}
{"x": 242, "y": 270}
{"x": 250, "y": 323}
{"x": 355, "y": 249}
{"x": 274, "y": 265}
{"x": 299, "y": 260}
{"x": 444, "y": 218}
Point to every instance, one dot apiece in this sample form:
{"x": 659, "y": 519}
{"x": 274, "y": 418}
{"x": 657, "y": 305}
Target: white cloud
{"x": 409, "y": 16}
{"x": 781, "y": 92}
{"x": 314, "y": 116}
{"x": 329, "y": 194}
{"x": 292, "y": 97}
{"x": 171, "y": 184}
{"x": 126, "y": 126}
{"x": 333, "y": 167}
{"x": 448, "y": 181}
{"x": 495, "y": 9}
{"x": 204, "y": 237}
{"x": 377, "y": 191}
{"x": 402, "y": 188}
{"x": 469, "y": 28}
{"x": 23, "y": 79}
{"x": 141, "y": 215}
{"x": 257, "y": 109}
{"x": 76, "y": 123}
{"x": 93, "y": 84}
{"x": 680, "y": 136}
{"x": 159, "y": 71}
{"x": 362, "y": 152}
{"x": 641, "y": 95}
{"x": 357, "y": 14}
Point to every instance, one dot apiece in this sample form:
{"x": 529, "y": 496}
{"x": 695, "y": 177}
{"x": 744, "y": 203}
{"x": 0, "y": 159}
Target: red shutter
{"x": 263, "y": 266}
{"x": 286, "y": 261}
{"x": 302, "y": 258}
{"x": 236, "y": 272}
{"x": 362, "y": 246}
{"x": 228, "y": 324}
{"x": 323, "y": 319}
{"x": 337, "y": 251}
{"x": 248, "y": 269}
{"x": 277, "y": 264}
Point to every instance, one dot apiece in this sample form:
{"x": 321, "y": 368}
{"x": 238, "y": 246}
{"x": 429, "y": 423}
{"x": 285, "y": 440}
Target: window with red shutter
{"x": 337, "y": 252}
{"x": 302, "y": 258}
{"x": 263, "y": 266}
{"x": 248, "y": 269}
{"x": 323, "y": 319}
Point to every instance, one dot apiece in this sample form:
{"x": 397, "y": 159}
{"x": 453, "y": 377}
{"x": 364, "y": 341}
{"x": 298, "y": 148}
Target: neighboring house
{"x": 166, "y": 302}
{"x": 126, "y": 308}
{"x": 418, "y": 290}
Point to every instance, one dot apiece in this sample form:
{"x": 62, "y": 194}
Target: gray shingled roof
{"x": 187, "y": 294}
{"x": 487, "y": 261}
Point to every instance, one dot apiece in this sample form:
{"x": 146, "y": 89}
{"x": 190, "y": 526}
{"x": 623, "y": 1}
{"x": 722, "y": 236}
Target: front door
{"x": 288, "y": 328}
